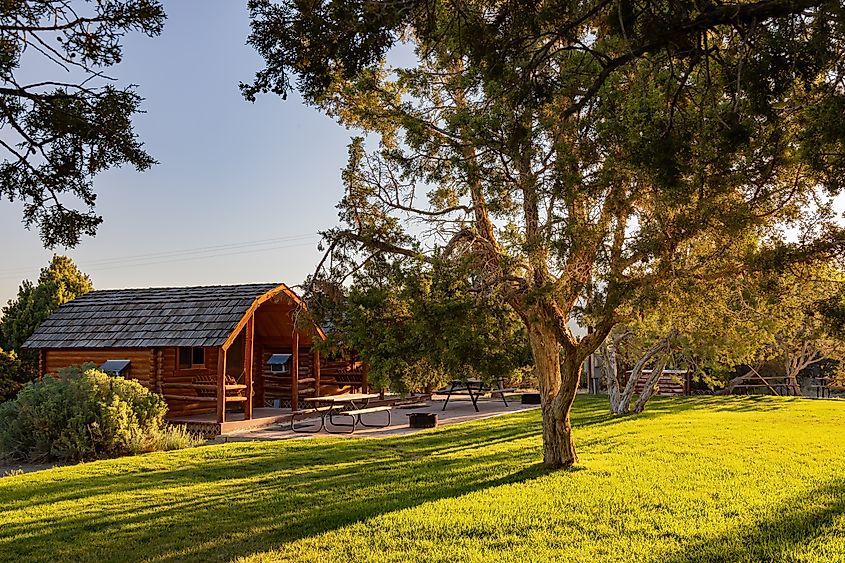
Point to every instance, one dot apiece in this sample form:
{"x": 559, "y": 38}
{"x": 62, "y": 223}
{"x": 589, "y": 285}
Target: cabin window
{"x": 191, "y": 357}
{"x": 279, "y": 363}
{"x": 116, "y": 367}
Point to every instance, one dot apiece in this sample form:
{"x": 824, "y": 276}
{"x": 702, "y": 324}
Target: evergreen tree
{"x": 61, "y": 281}
{"x": 63, "y": 120}
{"x": 570, "y": 151}
{"x": 418, "y": 325}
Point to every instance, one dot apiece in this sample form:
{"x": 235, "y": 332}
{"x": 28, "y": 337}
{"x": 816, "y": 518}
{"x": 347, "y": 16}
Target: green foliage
{"x": 793, "y": 316}
{"x": 83, "y": 414}
{"x": 571, "y": 152}
{"x": 695, "y": 479}
{"x": 13, "y": 375}
{"x": 798, "y": 307}
{"x": 832, "y": 311}
{"x": 419, "y": 326}
{"x": 717, "y": 327}
{"x": 61, "y": 281}
{"x": 59, "y": 133}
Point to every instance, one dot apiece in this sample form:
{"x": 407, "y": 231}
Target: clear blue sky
{"x": 262, "y": 178}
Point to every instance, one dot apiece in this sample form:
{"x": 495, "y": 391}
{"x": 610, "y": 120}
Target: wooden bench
{"x": 337, "y": 383}
{"x": 322, "y": 411}
{"x": 353, "y": 380}
{"x": 356, "y": 417}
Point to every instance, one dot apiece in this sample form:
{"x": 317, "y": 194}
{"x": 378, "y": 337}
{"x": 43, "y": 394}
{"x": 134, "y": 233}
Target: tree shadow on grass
{"x": 222, "y": 502}
{"x": 232, "y": 500}
{"x": 782, "y": 537}
{"x": 659, "y": 406}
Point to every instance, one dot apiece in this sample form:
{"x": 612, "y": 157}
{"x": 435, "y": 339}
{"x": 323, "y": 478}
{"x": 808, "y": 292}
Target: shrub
{"x": 177, "y": 437}
{"x": 13, "y": 375}
{"x": 83, "y": 414}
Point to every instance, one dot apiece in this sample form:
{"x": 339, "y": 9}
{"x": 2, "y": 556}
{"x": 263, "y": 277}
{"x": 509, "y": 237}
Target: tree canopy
{"x": 715, "y": 326}
{"x": 61, "y": 281}
{"x": 59, "y": 130}
{"x": 792, "y": 305}
{"x": 58, "y": 283}
{"x": 417, "y": 326}
{"x": 573, "y": 153}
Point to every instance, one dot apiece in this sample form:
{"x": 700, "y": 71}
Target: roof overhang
{"x": 281, "y": 289}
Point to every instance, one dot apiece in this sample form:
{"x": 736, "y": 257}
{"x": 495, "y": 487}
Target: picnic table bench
{"x": 352, "y": 405}
{"x": 475, "y": 388}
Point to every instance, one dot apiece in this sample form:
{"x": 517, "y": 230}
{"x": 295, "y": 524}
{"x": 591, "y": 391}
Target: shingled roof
{"x": 151, "y": 317}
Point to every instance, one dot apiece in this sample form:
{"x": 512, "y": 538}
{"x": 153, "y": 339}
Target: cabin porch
{"x": 245, "y": 383}
{"x": 207, "y": 424}
{"x": 238, "y": 381}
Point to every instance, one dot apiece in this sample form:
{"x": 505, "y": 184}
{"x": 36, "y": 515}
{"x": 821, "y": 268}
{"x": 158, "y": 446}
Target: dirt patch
{"x": 12, "y": 469}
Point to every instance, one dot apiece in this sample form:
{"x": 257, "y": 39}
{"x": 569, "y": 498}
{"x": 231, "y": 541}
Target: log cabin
{"x": 213, "y": 352}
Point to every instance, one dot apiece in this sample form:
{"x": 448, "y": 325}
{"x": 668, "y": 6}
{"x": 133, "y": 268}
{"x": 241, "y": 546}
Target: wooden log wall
{"x": 154, "y": 368}
{"x": 141, "y": 368}
{"x": 157, "y": 369}
{"x": 342, "y": 376}
{"x": 271, "y": 386}
{"x": 175, "y": 382}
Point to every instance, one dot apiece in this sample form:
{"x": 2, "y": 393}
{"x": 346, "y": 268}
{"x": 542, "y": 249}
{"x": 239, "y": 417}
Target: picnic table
{"x": 475, "y": 388}
{"x": 778, "y": 385}
{"x": 821, "y": 385}
{"x": 752, "y": 380}
{"x": 352, "y": 405}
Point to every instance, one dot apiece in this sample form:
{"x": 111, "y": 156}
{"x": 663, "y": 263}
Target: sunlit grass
{"x": 694, "y": 479}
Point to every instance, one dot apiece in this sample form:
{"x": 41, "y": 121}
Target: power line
{"x": 206, "y": 257}
{"x": 188, "y": 254}
{"x": 200, "y": 250}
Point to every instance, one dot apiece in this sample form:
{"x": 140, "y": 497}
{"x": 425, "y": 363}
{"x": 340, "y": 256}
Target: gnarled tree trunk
{"x": 610, "y": 370}
{"x": 650, "y": 386}
{"x": 558, "y": 385}
{"x": 621, "y": 397}
{"x": 796, "y": 360}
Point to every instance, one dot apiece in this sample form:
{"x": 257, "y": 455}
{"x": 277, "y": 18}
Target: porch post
{"x": 250, "y": 334}
{"x": 294, "y": 376}
{"x": 221, "y": 385}
{"x": 316, "y": 373}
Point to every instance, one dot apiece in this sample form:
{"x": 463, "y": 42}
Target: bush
{"x": 177, "y": 437}
{"x": 13, "y": 375}
{"x": 84, "y": 414}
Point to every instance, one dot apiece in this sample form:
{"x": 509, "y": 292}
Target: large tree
{"x": 63, "y": 120}
{"x": 791, "y": 307}
{"x": 715, "y": 325}
{"x": 569, "y": 150}
{"x": 61, "y": 281}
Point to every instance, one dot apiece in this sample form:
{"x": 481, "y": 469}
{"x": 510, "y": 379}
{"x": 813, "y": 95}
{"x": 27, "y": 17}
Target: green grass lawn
{"x": 693, "y": 479}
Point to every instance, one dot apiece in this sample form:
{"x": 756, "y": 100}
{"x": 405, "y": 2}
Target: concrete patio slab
{"x": 459, "y": 410}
